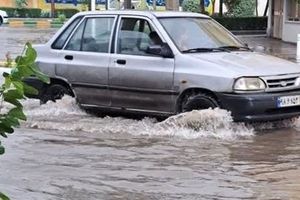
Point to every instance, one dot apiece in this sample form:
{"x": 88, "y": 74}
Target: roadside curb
{"x": 34, "y": 24}
{"x": 2, "y": 63}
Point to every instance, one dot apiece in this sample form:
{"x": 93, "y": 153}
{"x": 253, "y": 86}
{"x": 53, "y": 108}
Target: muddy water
{"x": 63, "y": 153}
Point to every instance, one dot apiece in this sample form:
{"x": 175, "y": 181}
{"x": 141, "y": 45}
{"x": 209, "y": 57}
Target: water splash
{"x": 66, "y": 115}
{"x": 287, "y": 123}
{"x": 211, "y": 122}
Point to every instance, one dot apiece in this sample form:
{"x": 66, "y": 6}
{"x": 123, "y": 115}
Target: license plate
{"x": 288, "y": 101}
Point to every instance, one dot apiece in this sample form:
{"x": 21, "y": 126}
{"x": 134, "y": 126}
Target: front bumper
{"x": 5, "y": 20}
{"x": 258, "y": 107}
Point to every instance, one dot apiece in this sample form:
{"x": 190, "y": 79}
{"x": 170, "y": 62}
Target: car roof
{"x": 149, "y": 14}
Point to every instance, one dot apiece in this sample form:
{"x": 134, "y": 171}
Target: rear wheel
{"x": 54, "y": 92}
{"x": 198, "y": 101}
{"x": 1, "y": 21}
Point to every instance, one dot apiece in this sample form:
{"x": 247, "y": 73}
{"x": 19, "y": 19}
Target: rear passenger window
{"x": 97, "y": 33}
{"x": 93, "y": 35}
{"x": 61, "y": 40}
{"x": 75, "y": 42}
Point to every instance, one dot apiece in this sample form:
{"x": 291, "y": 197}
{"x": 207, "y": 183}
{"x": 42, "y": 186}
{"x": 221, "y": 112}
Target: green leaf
{"x": 7, "y": 82}
{"x": 30, "y": 53}
{"x": 39, "y": 74}
{"x": 13, "y": 102}
{"x": 17, "y": 113}
{"x": 11, "y": 121}
{"x": 6, "y": 128}
{"x": 2, "y": 151}
{"x": 3, "y": 197}
{"x": 19, "y": 86}
{"x": 24, "y": 71}
{"x": 13, "y": 94}
{"x": 18, "y": 60}
{"x": 5, "y": 74}
{"x": 30, "y": 90}
{"x": 15, "y": 74}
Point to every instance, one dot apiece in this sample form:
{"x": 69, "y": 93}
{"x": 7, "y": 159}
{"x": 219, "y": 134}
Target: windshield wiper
{"x": 236, "y": 48}
{"x": 196, "y": 50}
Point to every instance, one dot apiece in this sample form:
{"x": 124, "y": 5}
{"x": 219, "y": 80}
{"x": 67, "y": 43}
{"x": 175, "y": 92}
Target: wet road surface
{"x": 63, "y": 153}
{"x": 13, "y": 39}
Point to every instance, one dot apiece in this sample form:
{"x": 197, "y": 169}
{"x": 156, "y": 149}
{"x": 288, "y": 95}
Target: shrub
{"x": 142, "y": 5}
{"x": 45, "y": 14}
{"x": 68, "y": 12}
{"x": 241, "y": 8}
{"x": 191, "y": 5}
{"x": 243, "y": 23}
{"x": 22, "y": 12}
{"x": 29, "y": 12}
{"x": 21, "y": 3}
{"x": 10, "y": 11}
{"x": 62, "y": 18}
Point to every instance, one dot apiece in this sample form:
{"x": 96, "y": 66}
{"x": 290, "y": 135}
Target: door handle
{"x": 69, "y": 57}
{"x": 121, "y": 62}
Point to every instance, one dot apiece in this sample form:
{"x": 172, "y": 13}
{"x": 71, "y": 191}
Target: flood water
{"x": 63, "y": 153}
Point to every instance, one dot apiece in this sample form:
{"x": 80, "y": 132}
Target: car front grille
{"x": 283, "y": 82}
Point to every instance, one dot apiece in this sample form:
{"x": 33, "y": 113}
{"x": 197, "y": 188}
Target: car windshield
{"x": 194, "y": 34}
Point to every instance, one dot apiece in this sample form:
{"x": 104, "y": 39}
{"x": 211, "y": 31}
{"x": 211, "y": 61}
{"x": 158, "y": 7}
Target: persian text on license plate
{"x": 288, "y": 101}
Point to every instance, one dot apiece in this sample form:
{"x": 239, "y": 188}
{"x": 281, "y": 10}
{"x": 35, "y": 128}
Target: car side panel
{"x": 144, "y": 83}
{"x": 88, "y": 75}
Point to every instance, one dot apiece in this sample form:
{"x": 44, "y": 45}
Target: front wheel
{"x": 54, "y": 92}
{"x": 199, "y": 101}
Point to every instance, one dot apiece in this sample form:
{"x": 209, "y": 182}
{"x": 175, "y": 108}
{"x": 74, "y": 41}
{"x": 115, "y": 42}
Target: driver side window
{"x": 135, "y": 36}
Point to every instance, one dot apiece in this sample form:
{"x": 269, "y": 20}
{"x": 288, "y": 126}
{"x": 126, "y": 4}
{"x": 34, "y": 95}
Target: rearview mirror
{"x": 161, "y": 50}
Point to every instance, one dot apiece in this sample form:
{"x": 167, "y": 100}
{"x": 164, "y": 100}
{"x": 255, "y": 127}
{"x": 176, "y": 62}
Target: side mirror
{"x": 161, "y": 50}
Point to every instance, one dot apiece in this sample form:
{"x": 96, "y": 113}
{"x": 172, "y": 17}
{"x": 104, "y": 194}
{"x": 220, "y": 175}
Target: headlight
{"x": 249, "y": 84}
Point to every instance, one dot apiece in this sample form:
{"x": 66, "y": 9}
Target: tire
{"x": 1, "y": 21}
{"x": 198, "y": 101}
{"x": 54, "y": 92}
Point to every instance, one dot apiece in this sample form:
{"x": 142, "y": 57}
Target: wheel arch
{"x": 63, "y": 83}
{"x": 194, "y": 90}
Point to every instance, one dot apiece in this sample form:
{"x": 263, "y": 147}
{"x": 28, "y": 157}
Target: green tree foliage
{"x": 3, "y": 197}
{"x": 21, "y": 3}
{"x": 191, "y": 5}
{"x": 142, "y": 5}
{"x": 13, "y": 90}
{"x": 231, "y": 4}
{"x": 240, "y": 8}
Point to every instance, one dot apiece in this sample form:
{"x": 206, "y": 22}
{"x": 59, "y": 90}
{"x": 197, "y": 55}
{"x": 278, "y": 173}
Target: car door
{"x": 138, "y": 80}
{"x": 85, "y": 57}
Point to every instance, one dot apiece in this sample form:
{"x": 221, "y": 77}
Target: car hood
{"x": 249, "y": 63}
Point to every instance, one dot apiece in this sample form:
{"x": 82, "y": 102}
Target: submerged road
{"x": 63, "y": 153}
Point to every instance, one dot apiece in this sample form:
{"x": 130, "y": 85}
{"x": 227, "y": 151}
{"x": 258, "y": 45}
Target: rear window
{"x": 63, "y": 37}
